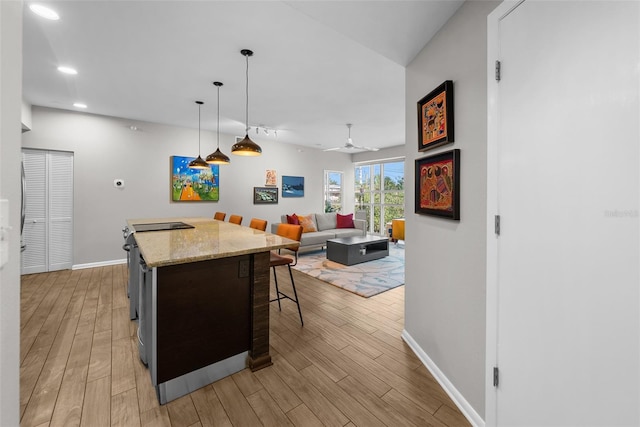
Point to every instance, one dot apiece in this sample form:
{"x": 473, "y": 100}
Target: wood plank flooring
{"x": 347, "y": 366}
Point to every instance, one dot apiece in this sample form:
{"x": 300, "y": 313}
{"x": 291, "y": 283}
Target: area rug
{"x": 366, "y": 279}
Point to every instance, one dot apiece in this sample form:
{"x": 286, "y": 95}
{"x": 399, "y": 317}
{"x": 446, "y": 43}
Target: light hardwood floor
{"x": 347, "y": 366}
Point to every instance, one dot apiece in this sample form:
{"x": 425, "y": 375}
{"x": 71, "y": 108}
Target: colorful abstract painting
{"x": 435, "y": 117}
{"x": 193, "y": 185}
{"x": 438, "y": 185}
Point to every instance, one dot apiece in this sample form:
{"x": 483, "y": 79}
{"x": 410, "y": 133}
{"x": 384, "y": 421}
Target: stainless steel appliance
{"x": 161, "y": 226}
{"x": 133, "y": 253}
{"x": 145, "y": 279}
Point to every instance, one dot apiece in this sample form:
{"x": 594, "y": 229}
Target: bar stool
{"x": 258, "y": 224}
{"x": 235, "y": 219}
{"x": 293, "y": 232}
{"x": 219, "y": 216}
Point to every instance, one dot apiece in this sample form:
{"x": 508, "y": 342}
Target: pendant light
{"x": 217, "y": 157}
{"x": 199, "y": 163}
{"x": 246, "y": 147}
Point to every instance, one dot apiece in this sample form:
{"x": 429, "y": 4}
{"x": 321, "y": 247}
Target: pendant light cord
{"x": 218, "y": 128}
{"x": 199, "y": 107}
{"x": 247, "y": 97}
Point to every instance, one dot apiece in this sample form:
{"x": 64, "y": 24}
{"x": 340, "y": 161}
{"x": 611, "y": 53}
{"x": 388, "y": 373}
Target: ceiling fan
{"x": 349, "y": 145}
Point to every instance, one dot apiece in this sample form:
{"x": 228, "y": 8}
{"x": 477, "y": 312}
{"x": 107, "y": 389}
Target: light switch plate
{"x": 5, "y": 229}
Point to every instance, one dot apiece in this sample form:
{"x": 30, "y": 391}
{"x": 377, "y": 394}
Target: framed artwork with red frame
{"x": 435, "y": 117}
{"x": 438, "y": 185}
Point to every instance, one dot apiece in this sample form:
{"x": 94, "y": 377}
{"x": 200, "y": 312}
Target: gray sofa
{"x": 326, "y": 224}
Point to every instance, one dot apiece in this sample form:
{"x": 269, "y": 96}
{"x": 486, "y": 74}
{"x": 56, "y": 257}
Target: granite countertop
{"x": 209, "y": 239}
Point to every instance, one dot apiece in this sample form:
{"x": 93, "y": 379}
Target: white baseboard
{"x": 99, "y": 264}
{"x": 462, "y": 404}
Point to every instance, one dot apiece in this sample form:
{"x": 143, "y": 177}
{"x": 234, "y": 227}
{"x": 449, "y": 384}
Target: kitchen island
{"x": 203, "y": 300}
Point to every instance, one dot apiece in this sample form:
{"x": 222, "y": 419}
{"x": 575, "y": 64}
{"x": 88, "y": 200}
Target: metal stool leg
{"x": 295, "y": 293}
{"x": 275, "y": 278}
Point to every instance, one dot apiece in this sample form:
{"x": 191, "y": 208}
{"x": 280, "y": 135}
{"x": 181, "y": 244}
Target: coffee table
{"x": 357, "y": 249}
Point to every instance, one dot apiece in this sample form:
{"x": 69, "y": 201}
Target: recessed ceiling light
{"x": 79, "y": 105}
{"x": 44, "y": 12}
{"x": 67, "y": 70}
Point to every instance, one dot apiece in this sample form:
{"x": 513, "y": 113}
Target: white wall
{"x": 105, "y": 149}
{"x": 445, "y": 259}
{"x": 10, "y": 128}
{"x": 384, "y": 154}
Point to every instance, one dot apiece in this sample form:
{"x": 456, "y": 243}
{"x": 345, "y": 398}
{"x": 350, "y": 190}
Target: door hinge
{"x": 497, "y": 224}
{"x": 497, "y": 71}
{"x": 496, "y": 376}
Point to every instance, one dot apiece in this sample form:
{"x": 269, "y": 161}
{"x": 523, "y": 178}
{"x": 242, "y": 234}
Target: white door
{"x": 34, "y": 257}
{"x": 566, "y": 181}
{"x": 48, "y": 227}
{"x": 60, "y": 210}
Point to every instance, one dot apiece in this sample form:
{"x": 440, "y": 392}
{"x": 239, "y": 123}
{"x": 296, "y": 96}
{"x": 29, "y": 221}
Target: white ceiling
{"x": 317, "y": 65}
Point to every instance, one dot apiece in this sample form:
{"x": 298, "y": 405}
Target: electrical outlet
{"x": 243, "y": 269}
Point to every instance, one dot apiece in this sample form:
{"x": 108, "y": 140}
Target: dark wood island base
{"x": 259, "y": 356}
{"x": 204, "y": 303}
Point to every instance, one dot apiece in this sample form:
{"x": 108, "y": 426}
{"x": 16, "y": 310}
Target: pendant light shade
{"x": 246, "y": 147}
{"x": 199, "y": 163}
{"x": 217, "y": 157}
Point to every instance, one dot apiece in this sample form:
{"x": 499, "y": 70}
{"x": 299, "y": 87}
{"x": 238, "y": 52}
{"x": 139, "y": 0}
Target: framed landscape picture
{"x": 193, "y": 185}
{"x": 438, "y": 185}
{"x": 265, "y": 195}
{"x": 435, "y": 117}
{"x": 292, "y": 186}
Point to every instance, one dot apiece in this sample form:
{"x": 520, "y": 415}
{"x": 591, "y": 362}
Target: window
{"x": 380, "y": 193}
{"x": 333, "y": 191}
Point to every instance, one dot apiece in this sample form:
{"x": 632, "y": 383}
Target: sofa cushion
{"x": 293, "y": 219}
{"x": 347, "y": 232}
{"x": 326, "y": 221}
{"x": 344, "y": 221}
{"x": 308, "y": 223}
{"x": 317, "y": 238}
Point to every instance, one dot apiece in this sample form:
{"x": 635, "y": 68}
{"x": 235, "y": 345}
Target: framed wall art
{"x": 292, "y": 186}
{"x": 435, "y": 117}
{"x": 193, "y": 185}
{"x": 438, "y": 185}
{"x": 271, "y": 178}
{"x": 265, "y": 195}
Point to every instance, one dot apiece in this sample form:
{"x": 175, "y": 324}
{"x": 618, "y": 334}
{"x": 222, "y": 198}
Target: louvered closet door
{"x": 48, "y": 229}
{"x": 34, "y": 257}
{"x": 60, "y": 210}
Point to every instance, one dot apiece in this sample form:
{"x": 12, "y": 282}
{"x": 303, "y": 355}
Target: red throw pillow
{"x": 293, "y": 219}
{"x": 345, "y": 221}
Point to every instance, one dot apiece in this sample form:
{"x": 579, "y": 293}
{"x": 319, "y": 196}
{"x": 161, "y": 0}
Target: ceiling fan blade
{"x": 358, "y": 147}
{"x": 333, "y": 149}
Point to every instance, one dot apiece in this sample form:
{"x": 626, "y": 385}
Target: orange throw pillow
{"x": 307, "y": 223}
